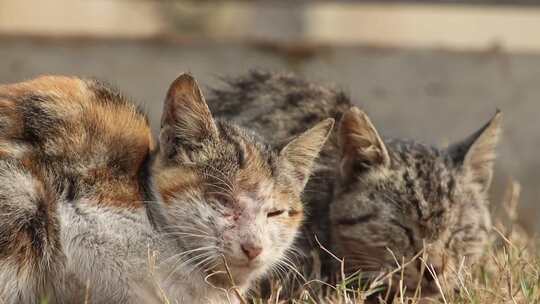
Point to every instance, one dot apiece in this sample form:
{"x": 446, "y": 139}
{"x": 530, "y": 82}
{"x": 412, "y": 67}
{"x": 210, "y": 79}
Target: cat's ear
{"x": 186, "y": 121}
{"x": 297, "y": 158}
{"x": 477, "y": 152}
{"x": 361, "y": 146}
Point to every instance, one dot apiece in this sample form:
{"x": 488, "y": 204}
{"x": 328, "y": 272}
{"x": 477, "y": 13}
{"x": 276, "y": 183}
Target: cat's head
{"x": 224, "y": 195}
{"x": 395, "y": 198}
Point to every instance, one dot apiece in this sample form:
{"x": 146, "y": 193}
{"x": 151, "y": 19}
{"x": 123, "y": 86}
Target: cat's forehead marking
{"x": 256, "y": 174}
{"x": 175, "y": 182}
{"x": 419, "y": 188}
{"x": 422, "y": 167}
{"x": 256, "y": 200}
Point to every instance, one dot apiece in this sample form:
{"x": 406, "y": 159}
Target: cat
{"x": 373, "y": 200}
{"x": 403, "y": 199}
{"x": 277, "y": 105}
{"x": 91, "y": 208}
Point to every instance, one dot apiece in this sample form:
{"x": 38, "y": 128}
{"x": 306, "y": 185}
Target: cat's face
{"x": 225, "y": 196}
{"x": 400, "y": 200}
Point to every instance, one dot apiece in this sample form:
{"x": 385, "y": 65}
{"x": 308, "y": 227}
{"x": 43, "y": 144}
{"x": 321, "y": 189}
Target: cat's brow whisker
{"x": 223, "y": 180}
{"x": 219, "y": 186}
{"x": 210, "y": 166}
{"x": 227, "y": 188}
{"x": 229, "y": 195}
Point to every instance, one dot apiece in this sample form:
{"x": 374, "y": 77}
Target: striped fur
{"x": 87, "y": 198}
{"x": 398, "y": 198}
{"x": 368, "y": 194}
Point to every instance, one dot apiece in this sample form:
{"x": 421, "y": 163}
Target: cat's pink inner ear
{"x": 185, "y": 112}
{"x": 360, "y": 142}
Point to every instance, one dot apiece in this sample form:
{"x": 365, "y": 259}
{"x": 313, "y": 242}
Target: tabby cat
{"x": 91, "y": 208}
{"x": 373, "y": 201}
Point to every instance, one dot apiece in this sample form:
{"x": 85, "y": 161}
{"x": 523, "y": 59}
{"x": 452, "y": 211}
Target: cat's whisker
{"x": 179, "y": 233}
{"x": 294, "y": 252}
{"x": 194, "y": 258}
{"x": 204, "y": 261}
{"x": 179, "y": 255}
{"x": 184, "y": 263}
{"x": 293, "y": 269}
{"x": 210, "y": 264}
{"x": 189, "y": 228}
{"x": 195, "y": 262}
{"x": 279, "y": 272}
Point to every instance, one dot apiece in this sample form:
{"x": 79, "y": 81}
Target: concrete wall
{"x": 465, "y": 24}
{"x": 430, "y": 95}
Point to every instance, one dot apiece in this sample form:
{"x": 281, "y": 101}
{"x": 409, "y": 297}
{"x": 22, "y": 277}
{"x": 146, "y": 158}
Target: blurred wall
{"x": 433, "y": 96}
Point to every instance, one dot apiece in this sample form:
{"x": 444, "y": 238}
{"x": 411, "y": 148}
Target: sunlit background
{"x": 429, "y": 70}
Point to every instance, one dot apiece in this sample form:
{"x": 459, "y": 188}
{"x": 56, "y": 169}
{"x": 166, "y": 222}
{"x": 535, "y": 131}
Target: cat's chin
{"x": 241, "y": 274}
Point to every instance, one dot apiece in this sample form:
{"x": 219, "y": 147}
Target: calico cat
{"x": 372, "y": 201}
{"x": 91, "y": 208}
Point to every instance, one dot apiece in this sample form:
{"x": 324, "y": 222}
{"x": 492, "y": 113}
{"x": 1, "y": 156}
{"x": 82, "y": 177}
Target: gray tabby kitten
{"x": 381, "y": 200}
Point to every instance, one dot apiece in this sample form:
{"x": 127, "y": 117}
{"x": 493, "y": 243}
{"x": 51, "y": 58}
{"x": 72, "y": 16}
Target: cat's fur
{"x": 396, "y": 199}
{"x": 384, "y": 195}
{"x": 87, "y": 199}
{"x": 277, "y": 106}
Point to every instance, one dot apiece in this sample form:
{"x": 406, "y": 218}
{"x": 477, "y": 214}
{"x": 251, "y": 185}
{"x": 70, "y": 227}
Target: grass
{"x": 509, "y": 273}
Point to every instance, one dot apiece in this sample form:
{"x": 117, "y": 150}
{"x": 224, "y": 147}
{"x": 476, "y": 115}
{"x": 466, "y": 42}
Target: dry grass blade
{"x": 511, "y": 199}
{"x": 233, "y": 284}
{"x": 509, "y": 272}
{"x": 87, "y": 292}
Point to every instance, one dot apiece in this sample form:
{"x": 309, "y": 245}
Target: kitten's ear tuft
{"x": 360, "y": 144}
{"x": 297, "y": 158}
{"x": 186, "y": 120}
{"x": 477, "y": 152}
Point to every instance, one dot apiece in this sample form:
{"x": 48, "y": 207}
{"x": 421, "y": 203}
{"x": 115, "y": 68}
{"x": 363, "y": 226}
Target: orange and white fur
{"x": 91, "y": 208}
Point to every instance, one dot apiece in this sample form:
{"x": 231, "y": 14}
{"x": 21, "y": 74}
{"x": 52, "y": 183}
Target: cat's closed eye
{"x": 275, "y": 213}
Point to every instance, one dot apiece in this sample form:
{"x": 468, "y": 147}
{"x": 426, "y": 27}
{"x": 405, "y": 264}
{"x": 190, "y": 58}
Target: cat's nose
{"x": 251, "y": 250}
